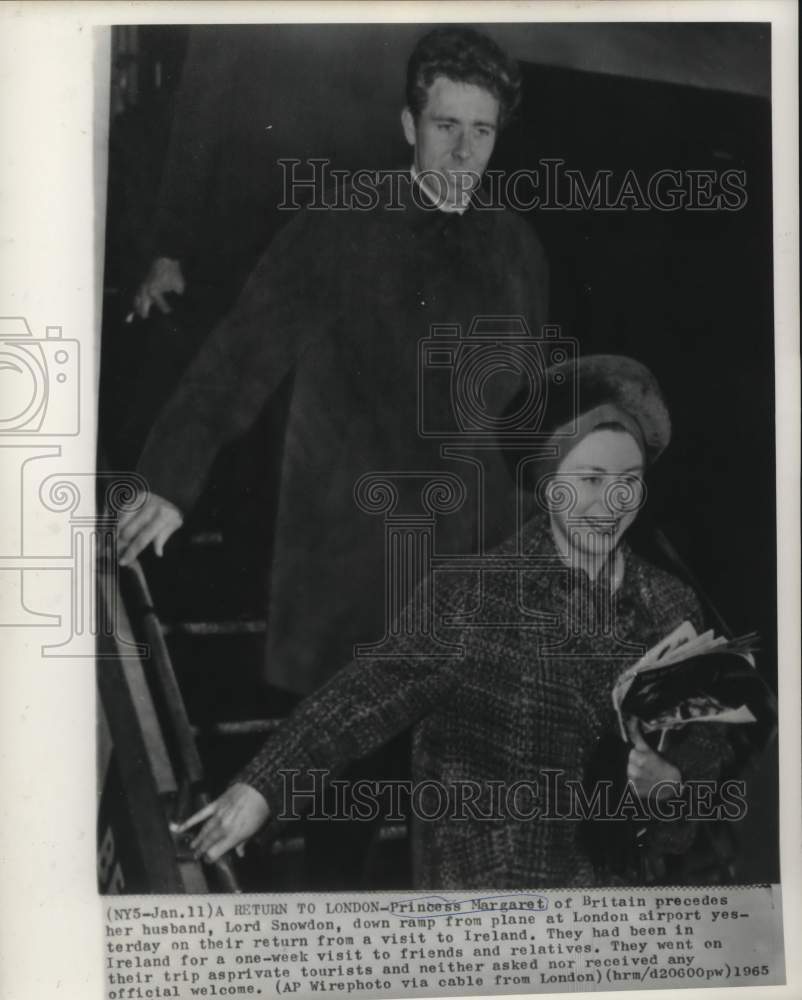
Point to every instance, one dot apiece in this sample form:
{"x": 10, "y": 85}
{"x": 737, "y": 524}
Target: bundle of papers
{"x": 692, "y": 678}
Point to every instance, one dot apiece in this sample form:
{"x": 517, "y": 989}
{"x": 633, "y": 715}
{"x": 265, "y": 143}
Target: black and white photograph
{"x": 382, "y": 303}
{"x": 431, "y": 550}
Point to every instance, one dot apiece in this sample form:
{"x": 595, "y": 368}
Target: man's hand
{"x": 164, "y": 276}
{"x": 646, "y": 768}
{"x": 155, "y": 521}
{"x": 229, "y": 821}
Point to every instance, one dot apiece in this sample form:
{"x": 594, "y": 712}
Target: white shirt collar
{"x": 451, "y": 209}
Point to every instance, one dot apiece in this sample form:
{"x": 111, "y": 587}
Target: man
{"x": 341, "y": 299}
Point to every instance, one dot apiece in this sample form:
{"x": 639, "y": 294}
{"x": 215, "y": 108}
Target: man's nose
{"x": 462, "y": 146}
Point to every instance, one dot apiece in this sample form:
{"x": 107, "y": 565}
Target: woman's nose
{"x": 599, "y": 507}
{"x": 598, "y": 512}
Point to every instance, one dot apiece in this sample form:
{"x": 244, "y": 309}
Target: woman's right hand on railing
{"x": 229, "y": 821}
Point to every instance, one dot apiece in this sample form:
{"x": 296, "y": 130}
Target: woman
{"x": 510, "y": 724}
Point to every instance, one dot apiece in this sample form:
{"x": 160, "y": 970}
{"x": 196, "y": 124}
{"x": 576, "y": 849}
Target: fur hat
{"x": 601, "y": 389}
{"x": 610, "y": 388}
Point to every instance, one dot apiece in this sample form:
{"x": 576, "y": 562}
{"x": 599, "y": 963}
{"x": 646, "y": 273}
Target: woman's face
{"x": 603, "y": 475}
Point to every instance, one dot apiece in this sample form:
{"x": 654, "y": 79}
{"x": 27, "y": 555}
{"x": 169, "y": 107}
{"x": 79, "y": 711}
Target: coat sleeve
{"x": 292, "y": 298}
{"x": 360, "y": 709}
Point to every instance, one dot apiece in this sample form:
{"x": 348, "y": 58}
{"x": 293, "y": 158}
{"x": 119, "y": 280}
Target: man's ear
{"x": 408, "y": 124}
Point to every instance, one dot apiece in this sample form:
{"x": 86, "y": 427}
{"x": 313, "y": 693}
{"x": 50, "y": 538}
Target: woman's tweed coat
{"x": 506, "y": 710}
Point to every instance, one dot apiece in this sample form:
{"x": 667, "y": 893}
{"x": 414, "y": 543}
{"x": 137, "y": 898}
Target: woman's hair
{"x": 464, "y": 56}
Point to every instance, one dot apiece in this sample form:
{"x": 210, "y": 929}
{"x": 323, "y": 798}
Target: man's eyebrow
{"x": 607, "y": 472}
{"x": 456, "y": 121}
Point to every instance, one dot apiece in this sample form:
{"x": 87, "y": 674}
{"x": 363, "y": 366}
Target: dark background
{"x": 688, "y": 293}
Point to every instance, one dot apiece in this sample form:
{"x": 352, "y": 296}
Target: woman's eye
{"x": 632, "y": 483}
{"x": 592, "y": 480}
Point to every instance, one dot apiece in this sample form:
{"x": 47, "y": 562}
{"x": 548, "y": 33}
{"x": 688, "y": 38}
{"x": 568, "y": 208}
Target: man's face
{"x": 453, "y": 137}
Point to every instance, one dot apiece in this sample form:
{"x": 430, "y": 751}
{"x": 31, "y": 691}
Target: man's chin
{"x": 462, "y": 185}
{"x": 450, "y": 189}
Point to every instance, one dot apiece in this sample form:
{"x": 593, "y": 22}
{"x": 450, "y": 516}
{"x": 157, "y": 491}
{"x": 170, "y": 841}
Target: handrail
{"x": 191, "y": 795}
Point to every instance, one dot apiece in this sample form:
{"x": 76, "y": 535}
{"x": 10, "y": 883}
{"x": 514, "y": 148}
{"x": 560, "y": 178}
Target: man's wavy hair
{"x": 464, "y": 56}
